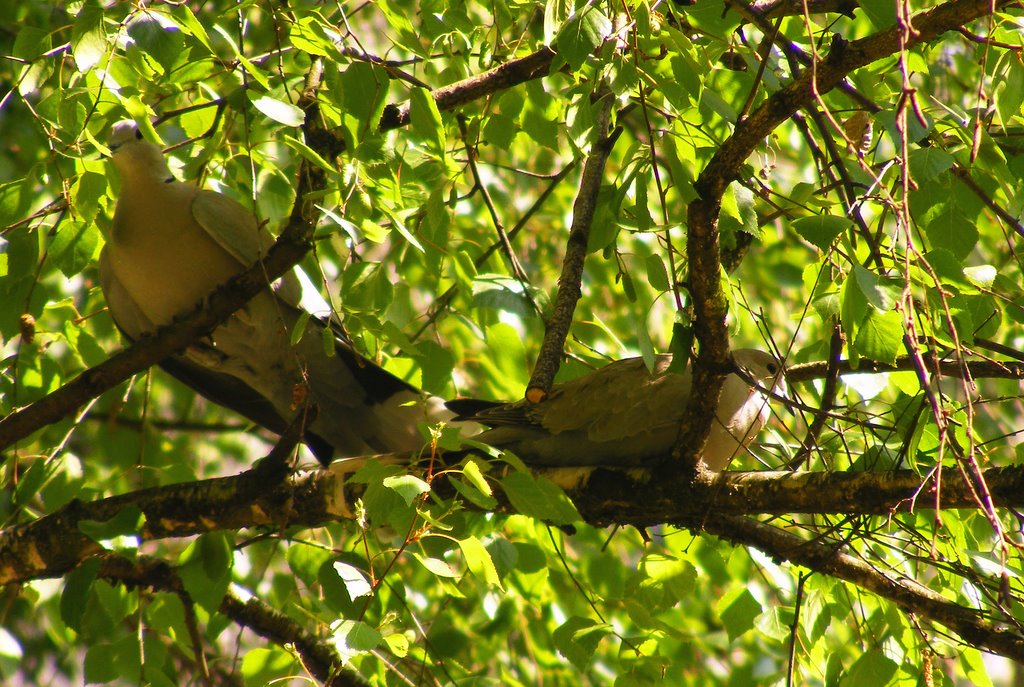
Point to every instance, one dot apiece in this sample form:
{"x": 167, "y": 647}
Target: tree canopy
{"x": 494, "y": 197}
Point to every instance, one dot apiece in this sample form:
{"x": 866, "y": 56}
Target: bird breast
{"x": 168, "y": 266}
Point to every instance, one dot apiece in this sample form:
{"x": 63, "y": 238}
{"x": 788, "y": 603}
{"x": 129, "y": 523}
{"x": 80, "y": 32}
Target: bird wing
{"x": 620, "y": 400}
{"x": 231, "y": 225}
{"x": 234, "y": 228}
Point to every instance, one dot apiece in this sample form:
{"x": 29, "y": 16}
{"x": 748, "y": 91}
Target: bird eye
{"x": 772, "y": 368}
{"x": 138, "y": 135}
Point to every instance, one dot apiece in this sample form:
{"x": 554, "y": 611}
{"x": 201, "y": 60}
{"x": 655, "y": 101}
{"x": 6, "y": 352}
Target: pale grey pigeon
{"x": 172, "y": 244}
{"x": 624, "y": 414}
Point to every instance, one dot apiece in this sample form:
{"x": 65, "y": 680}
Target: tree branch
{"x": 571, "y": 279}
{"x": 506, "y": 75}
{"x": 318, "y": 656}
{"x": 54, "y": 544}
{"x": 906, "y": 593}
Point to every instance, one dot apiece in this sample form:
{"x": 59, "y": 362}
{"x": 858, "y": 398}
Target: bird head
{"x": 133, "y": 155}
{"x": 761, "y": 369}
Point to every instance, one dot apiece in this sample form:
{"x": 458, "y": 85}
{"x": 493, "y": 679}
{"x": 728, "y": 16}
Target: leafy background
{"x": 821, "y": 235}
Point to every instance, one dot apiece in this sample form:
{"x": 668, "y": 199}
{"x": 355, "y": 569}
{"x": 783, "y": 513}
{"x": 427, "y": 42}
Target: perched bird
{"x": 626, "y": 415}
{"x": 172, "y": 244}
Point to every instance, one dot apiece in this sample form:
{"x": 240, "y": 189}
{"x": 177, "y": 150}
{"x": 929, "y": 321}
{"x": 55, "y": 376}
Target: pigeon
{"x": 625, "y": 414}
{"x": 171, "y": 245}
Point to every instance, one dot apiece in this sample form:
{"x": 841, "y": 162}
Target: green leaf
{"x": 822, "y": 230}
{"x": 479, "y": 562}
{"x": 476, "y": 489}
{"x": 500, "y": 131}
{"x": 164, "y": 47}
{"x": 882, "y": 14}
{"x": 578, "y": 638}
{"x": 738, "y": 612}
{"x": 473, "y": 495}
{"x": 435, "y": 566}
{"x": 472, "y": 472}
{"x": 881, "y": 292}
{"x": 775, "y": 623}
{"x": 540, "y": 128}
{"x": 355, "y": 636}
{"x": 305, "y": 560}
{"x": 982, "y": 276}
{"x": 425, "y": 119}
{"x": 15, "y": 200}
{"x": 192, "y": 26}
{"x": 738, "y": 213}
{"x": 657, "y": 273}
{"x": 873, "y": 668}
{"x": 88, "y": 39}
{"x": 880, "y": 336}
{"x": 605, "y": 226}
{"x": 364, "y": 95}
{"x": 676, "y": 576}
{"x": 383, "y": 505}
{"x": 308, "y": 153}
{"x": 354, "y": 580}
{"x": 310, "y": 36}
{"x": 399, "y": 225}
{"x": 30, "y": 43}
{"x": 205, "y": 569}
{"x": 539, "y": 498}
{"x": 581, "y": 35}
{"x": 712, "y": 17}
{"x": 555, "y": 14}
{"x": 99, "y": 666}
{"x": 1009, "y": 91}
{"x": 77, "y": 589}
{"x": 947, "y": 268}
{"x": 975, "y": 315}
{"x": 952, "y": 230}
{"x": 506, "y": 364}
{"x": 927, "y": 163}
{"x": 853, "y": 307}
{"x": 398, "y": 644}
{"x": 129, "y": 521}
{"x": 262, "y": 667}
{"x": 279, "y": 111}
{"x": 74, "y": 245}
{"x": 974, "y": 667}
{"x": 408, "y": 487}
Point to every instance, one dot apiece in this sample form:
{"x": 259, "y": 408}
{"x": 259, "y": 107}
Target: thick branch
{"x": 54, "y": 544}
